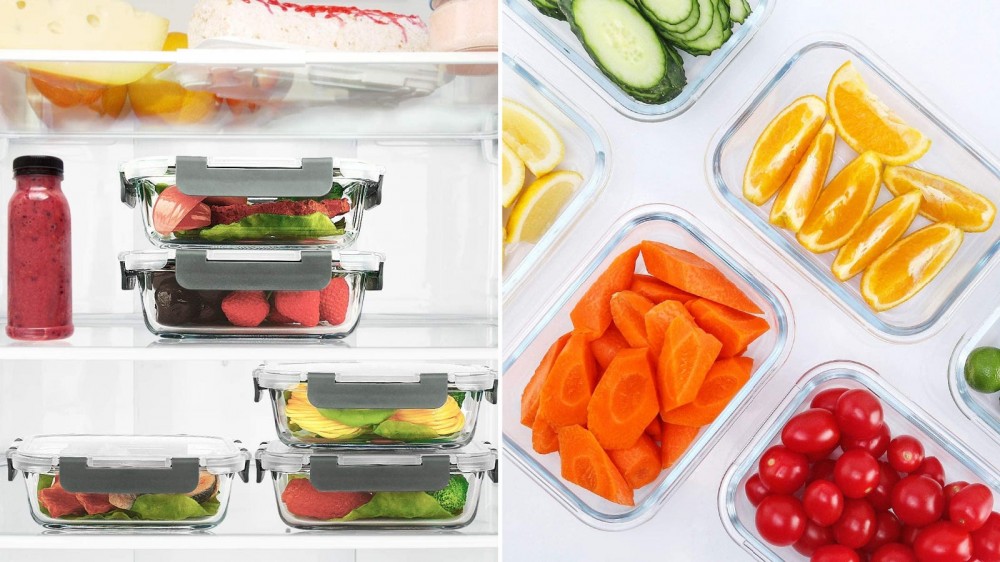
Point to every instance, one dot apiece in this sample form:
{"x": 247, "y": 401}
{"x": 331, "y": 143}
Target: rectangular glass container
{"x": 983, "y": 409}
{"x": 661, "y": 223}
{"x": 808, "y": 70}
{"x": 959, "y": 462}
{"x": 375, "y": 404}
{"x": 126, "y": 481}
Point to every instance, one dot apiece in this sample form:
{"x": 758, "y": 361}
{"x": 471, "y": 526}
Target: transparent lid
{"x": 166, "y": 166}
{"x": 278, "y": 457}
{"x": 158, "y": 260}
{"x": 282, "y": 376}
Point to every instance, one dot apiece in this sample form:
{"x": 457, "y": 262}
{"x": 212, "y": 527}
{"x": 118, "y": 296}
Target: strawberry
{"x": 298, "y": 306}
{"x": 334, "y": 300}
{"x": 278, "y": 318}
{"x": 245, "y": 308}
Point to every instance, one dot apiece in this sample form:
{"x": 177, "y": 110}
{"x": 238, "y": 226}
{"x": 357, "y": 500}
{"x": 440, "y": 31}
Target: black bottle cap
{"x": 38, "y": 165}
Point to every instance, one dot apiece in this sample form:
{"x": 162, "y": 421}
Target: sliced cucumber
{"x": 724, "y": 9}
{"x": 681, "y": 27}
{"x": 549, "y": 8}
{"x": 671, "y": 11}
{"x": 706, "y": 16}
{"x": 739, "y": 10}
{"x": 712, "y": 39}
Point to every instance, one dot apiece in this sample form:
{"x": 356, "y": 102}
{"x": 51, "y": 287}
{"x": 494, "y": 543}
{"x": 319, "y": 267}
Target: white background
{"x": 951, "y": 54}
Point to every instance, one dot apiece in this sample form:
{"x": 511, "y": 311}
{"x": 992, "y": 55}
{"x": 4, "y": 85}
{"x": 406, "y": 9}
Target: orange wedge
{"x": 866, "y": 123}
{"x": 944, "y": 200}
{"x": 782, "y": 144}
{"x": 879, "y": 231}
{"x": 843, "y": 205}
{"x": 797, "y": 197}
{"x": 909, "y": 265}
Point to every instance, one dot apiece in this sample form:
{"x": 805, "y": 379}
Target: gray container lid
{"x": 158, "y": 260}
{"x": 285, "y": 376}
{"x": 278, "y": 457}
{"x": 166, "y": 166}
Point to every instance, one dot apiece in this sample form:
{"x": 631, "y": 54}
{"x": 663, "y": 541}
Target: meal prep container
{"x": 126, "y": 481}
{"x": 662, "y": 223}
{"x": 983, "y": 409}
{"x": 249, "y": 199}
{"x": 902, "y": 416}
{"x": 700, "y": 71}
{"x": 358, "y": 489}
{"x": 587, "y": 152}
{"x": 375, "y": 404}
{"x": 184, "y": 292}
{"x": 808, "y": 71}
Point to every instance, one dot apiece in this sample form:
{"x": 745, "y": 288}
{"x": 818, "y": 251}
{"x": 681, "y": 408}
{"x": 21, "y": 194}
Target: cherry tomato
{"x": 814, "y": 537}
{"x": 827, "y": 399}
{"x": 932, "y": 467}
{"x": 812, "y": 432}
{"x": 822, "y": 470}
{"x": 823, "y": 502}
{"x": 880, "y": 496}
{"x": 856, "y": 473}
{"x": 894, "y": 552}
{"x": 755, "y": 490}
{"x": 971, "y": 506}
{"x": 943, "y": 541}
{"x": 781, "y": 520}
{"x": 887, "y": 529}
{"x": 835, "y": 553}
{"x": 782, "y": 470}
{"x": 857, "y": 526}
{"x": 909, "y": 534}
{"x": 986, "y": 541}
{"x": 951, "y": 489}
{"x": 876, "y": 446}
{"x": 906, "y": 453}
{"x": 918, "y": 500}
{"x": 859, "y": 414}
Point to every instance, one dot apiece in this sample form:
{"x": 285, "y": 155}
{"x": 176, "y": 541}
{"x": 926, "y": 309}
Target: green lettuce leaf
{"x": 458, "y": 396}
{"x": 356, "y": 417}
{"x": 168, "y": 507}
{"x": 260, "y": 226}
{"x": 399, "y": 505}
{"x": 404, "y": 431}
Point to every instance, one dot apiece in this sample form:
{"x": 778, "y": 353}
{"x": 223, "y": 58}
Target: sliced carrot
{"x": 628, "y": 310}
{"x": 653, "y": 429}
{"x": 544, "y": 439}
{"x": 675, "y": 442}
{"x": 533, "y": 390}
{"x": 735, "y": 329}
{"x": 624, "y": 401}
{"x": 567, "y": 389}
{"x": 640, "y": 463}
{"x": 586, "y": 464}
{"x": 607, "y": 346}
{"x": 724, "y": 380}
{"x": 690, "y": 273}
{"x": 656, "y": 290}
{"x": 687, "y": 355}
{"x": 592, "y": 314}
{"x": 657, "y": 321}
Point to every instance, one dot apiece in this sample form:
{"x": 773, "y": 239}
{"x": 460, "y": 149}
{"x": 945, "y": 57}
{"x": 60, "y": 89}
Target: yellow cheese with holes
{"x": 104, "y": 25}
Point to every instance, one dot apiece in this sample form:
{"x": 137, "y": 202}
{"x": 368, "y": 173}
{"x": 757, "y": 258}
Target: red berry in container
{"x": 827, "y": 399}
{"x": 932, "y": 467}
{"x": 856, "y": 473}
{"x": 880, "y": 496}
{"x": 247, "y": 309}
{"x": 918, "y": 500}
{"x": 822, "y": 470}
{"x": 823, "y": 502}
{"x": 951, "y": 489}
{"x": 755, "y": 490}
{"x": 906, "y": 453}
{"x": 875, "y": 446}
{"x": 812, "y": 432}
{"x": 814, "y": 537}
{"x": 943, "y": 541}
{"x": 835, "y": 553}
{"x": 888, "y": 529}
{"x": 780, "y": 520}
{"x": 856, "y": 526}
{"x": 782, "y": 470}
{"x": 894, "y": 552}
{"x": 971, "y": 506}
{"x": 986, "y": 540}
{"x": 859, "y": 414}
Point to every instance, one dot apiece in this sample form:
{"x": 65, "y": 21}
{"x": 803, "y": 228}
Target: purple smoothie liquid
{"x": 39, "y": 268}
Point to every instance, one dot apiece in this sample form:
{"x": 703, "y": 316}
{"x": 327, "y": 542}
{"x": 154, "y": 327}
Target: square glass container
{"x": 959, "y": 462}
{"x": 195, "y": 201}
{"x": 661, "y": 223}
{"x": 701, "y": 71}
{"x": 126, "y": 481}
{"x": 983, "y": 409}
{"x": 328, "y": 489}
{"x": 587, "y": 153}
{"x": 242, "y": 293}
{"x": 808, "y": 70}
{"x": 375, "y": 404}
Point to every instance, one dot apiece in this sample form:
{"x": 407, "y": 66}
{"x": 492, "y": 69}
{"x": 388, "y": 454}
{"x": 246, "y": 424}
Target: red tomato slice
{"x": 172, "y": 207}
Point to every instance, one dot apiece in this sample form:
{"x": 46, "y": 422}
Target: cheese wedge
{"x": 111, "y": 25}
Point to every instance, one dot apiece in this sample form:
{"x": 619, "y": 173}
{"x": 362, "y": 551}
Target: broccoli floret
{"x": 452, "y": 497}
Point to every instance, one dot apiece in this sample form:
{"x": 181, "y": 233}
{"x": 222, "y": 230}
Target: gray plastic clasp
{"x": 77, "y": 476}
{"x": 195, "y": 177}
{"x": 430, "y": 392}
{"x": 196, "y": 272}
{"x": 327, "y": 474}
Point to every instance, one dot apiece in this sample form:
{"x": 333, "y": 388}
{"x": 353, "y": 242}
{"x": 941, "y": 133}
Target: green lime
{"x": 982, "y": 369}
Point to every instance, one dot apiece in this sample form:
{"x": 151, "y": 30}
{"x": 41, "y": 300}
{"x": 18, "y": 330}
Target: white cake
{"x": 337, "y": 28}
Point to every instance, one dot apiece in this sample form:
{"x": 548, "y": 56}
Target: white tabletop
{"x": 949, "y": 53}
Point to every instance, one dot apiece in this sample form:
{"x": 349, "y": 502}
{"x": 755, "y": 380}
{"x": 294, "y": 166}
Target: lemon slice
{"x": 534, "y": 141}
{"x": 512, "y": 173}
{"x": 540, "y": 204}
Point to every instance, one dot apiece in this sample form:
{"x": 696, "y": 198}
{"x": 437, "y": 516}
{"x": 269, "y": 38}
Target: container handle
{"x": 312, "y": 272}
{"x": 314, "y": 178}
{"x": 327, "y": 474}
{"x": 428, "y": 393}
{"x": 10, "y": 460}
{"x": 77, "y": 476}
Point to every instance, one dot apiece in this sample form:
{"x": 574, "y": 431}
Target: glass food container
{"x": 464, "y": 25}
{"x": 808, "y": 70}
{"x": 375, "y": 404}
{"x": 126, "y": 481}
{"x": 981, "y": 408}
{"x": 662, "y": 223}
{"x": 194, "y": 201}
{"x": 701, "y": 71}
{"x": 323, "y": 488}
{"x": 959, "y": 462}
{"x": 216, "y": 293}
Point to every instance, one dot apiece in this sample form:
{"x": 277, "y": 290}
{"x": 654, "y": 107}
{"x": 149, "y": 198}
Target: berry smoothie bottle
{"x": 39, "y": 269}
